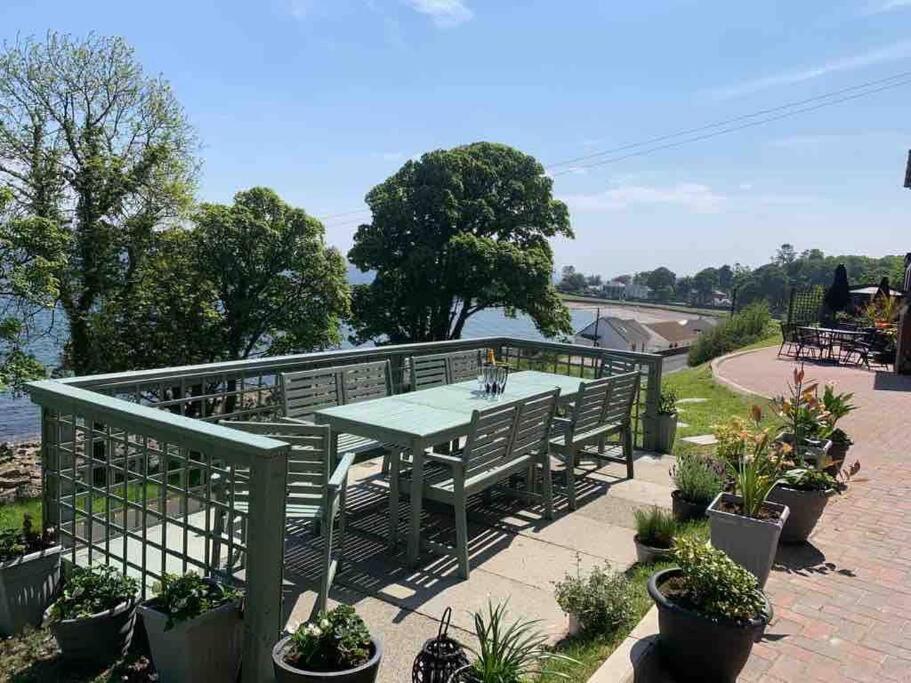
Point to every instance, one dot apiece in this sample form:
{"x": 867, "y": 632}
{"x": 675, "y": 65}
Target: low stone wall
{"x": 20, "y": 471}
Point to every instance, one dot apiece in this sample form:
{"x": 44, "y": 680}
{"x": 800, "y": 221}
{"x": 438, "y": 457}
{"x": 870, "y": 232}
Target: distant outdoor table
{"x": 418, "y": 420}
{"x": 828, "y": 338}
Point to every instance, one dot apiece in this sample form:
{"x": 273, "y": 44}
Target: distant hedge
{"x": 741, "y": 329}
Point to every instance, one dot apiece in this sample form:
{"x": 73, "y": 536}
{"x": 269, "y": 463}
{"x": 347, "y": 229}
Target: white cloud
{"x": 881, "y": 6}
{"x": 693, "y": 197}
{"x": 300, "y": 9}
{"x": 887, "y": 53}
{"x": 444, "y": 13}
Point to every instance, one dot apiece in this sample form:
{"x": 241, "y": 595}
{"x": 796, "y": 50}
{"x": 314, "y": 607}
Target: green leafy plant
{"x": 335, "y": 641}
{"x": 808, "y": 479}
{"x": 655, "y": 527}
{"x": 601, "y": 601}
{"x": 90, "y": 590}
{"x": 756, "y": 469}
{"x": 186, "y": 597}
{"x": 741, "y": 329}
{"x": 667, "y": 401}
{"x": 698, "y": 478}
{"x": 510, "y": 652}
{"x": 805, "y": 415}
{"x": 18, "y": 542}
{"x": 713, "y": 584}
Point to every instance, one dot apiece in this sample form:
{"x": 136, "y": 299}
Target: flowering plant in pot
{"x": 666, "y": 423}
{"x": 837, "y": 405}
{"x": 744, "y": 524}
{"x": 599, "y": 602}
{"x": 336, "y": 646}
{"x": 654, "y": 537}
{"x": 508, "y": 652}
{"x": 195, "y": 629}
{"x": 29, "y": 575}
{"x": 697, "y": 480}
{"x": 93, "y": 618}
{"x": 807, "y": 422}
{"x": 710, "y": 612}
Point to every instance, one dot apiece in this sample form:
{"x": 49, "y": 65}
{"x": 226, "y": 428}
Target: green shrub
{"x": 667, "y": 401}
{"x": 24, "y": 540}
{"x": 698, "y": 478}
{"x": 90, "y": 590}
{"x": 712, "y": 583}
{"x": 335, "y": 641}
{"x": 655, "y": 527}
{"x": 510, "y": 653}
{"x": 186, "y": 597}
{"x": 741, "y": 329}
{"x": 601, "y": 601}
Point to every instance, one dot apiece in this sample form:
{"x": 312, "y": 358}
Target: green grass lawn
{"x": 11, "y": 514}
{"x": 590, "y": 650}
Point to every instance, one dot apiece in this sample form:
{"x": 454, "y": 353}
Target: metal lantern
{"x": 441, "y": 657}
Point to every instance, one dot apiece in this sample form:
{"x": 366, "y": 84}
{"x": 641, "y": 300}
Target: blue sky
{"x": 322, "y": 99}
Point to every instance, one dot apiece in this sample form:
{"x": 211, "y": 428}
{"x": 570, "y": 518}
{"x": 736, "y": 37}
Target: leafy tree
{"x": 683, "y": 287}
{"x": 99, "y": 152}
{"x": 251, "y": 278}
{"x": 453, "y": 233}
{"x": 571, "y": 281}
{"x": 725, "y": 278}
{"x": 662, "y": 281}
{"x": 785, "y": 255}
{"x": 625, "y": 279}
{"x": 593, "y": 281}
{"x": 704, "y": 283}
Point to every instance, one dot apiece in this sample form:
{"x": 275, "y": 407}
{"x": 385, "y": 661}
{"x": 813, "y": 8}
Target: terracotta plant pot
{"x": 806, "y": 507}
{"x": 102, "y": 637}
{"x": 696, "y": 647}
{"x": 685, "y": 510}
{"x": 750, "y": 542}
{"x": 28, "y": 584}
{"x": 285, "y": 673}
{"x": 646, "y": 554}
{"x": 206, "y": 648}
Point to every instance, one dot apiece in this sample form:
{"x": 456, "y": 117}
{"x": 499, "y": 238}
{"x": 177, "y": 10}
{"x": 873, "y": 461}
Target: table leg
{"x": 394, "y": 472}
{"x": 417, "y": 486}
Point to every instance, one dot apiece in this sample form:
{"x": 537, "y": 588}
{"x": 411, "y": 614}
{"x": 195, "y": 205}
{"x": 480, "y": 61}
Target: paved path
{"x": 843, "y": 602}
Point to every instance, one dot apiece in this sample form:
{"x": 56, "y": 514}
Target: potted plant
{"x": 697, "y": 480}
{"x": 507, "y": 653}
{"x": 836, "y": 406}
{"x": 807, "y": 422}
{"x": 654, "y": 537}
{"x": 666, "y": 422}
{"x": 600, "y": 602}
{"x": 744, "y": 524}
{"x": 29, "y": 576}
{"x": 336, "y": 646}
{"x": 94, "y": 616}
{"x": 195, "y": 629}
{"x": 710, "y": 612}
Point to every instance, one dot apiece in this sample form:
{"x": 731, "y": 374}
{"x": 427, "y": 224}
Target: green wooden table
{"x": 421, "y": 419}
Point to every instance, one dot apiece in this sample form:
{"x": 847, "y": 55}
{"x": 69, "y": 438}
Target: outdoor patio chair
{"x": 503, "y": 440}
{"x": 603, "y": 408}
{"x": 808, "y": 343}
{"x": 317, "y": 489}
{"x": 443, "y": 368}
{"x": 789, "y": 340}
{"x": 304, "y": 393}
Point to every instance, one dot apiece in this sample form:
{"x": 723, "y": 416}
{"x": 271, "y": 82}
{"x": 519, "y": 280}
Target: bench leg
{"x": 628, "y": 451}
{"x": 327, "y": 530}
{"x": 461, "y": 522}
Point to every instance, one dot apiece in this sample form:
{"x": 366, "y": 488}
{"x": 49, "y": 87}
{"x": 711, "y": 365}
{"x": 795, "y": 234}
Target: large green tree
{"x": 454, "y": 233}
{"x": 103, "y": 154}
{"x": 251, "y": 278}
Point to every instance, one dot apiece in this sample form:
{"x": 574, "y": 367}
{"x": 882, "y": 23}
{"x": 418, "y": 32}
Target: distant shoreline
{"x": 572, "y": 301}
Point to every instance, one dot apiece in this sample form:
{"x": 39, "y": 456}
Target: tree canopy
{"x": 454, "y": 233}
{"x": 102, "y": 155}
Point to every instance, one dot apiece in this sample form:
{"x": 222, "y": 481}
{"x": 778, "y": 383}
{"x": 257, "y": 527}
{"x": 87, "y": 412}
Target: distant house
{"x": 609, "y": 332}
{"x": 719, "y": 298}
{"x": 637, "y": 291}
{"x": 678, "y": 333}
{"x": 614, "y": 290}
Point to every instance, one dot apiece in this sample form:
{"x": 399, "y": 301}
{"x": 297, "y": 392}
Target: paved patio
{"x": 842, "y": 602}
{"x": 515, "y": 554}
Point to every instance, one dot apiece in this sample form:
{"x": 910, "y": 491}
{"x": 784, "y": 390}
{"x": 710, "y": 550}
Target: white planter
{"x": 27, "y": 586}
{"x": 751, "y": 543}
{"x": 207, "y": 648}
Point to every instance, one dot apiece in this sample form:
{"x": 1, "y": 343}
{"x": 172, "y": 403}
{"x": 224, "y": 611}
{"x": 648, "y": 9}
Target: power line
{"x": 732, "y": 129}
{"x": 724, "y": 122}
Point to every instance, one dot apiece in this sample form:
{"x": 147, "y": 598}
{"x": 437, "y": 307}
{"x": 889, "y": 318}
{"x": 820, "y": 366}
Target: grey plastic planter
{"x": 207, "y": 648}
{"x": 684, "y": 510}
{"x": 751, "y": 543}
{"x": 27, "y": 586}
{"x": 665, "y": 431}
{"x": 805, "y": 508}
{"x": 102, "y": 637}
{"x": 285, "y": 673}
{"x": 646, "y": 554}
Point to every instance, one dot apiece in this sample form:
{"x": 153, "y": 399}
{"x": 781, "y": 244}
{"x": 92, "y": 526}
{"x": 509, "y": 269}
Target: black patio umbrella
{"x": 838, "y": 295}
{"x": 884, "y": 290}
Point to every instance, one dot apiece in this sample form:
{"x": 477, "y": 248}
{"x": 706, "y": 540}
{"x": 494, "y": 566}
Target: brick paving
{"x": 843, "y": 602}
